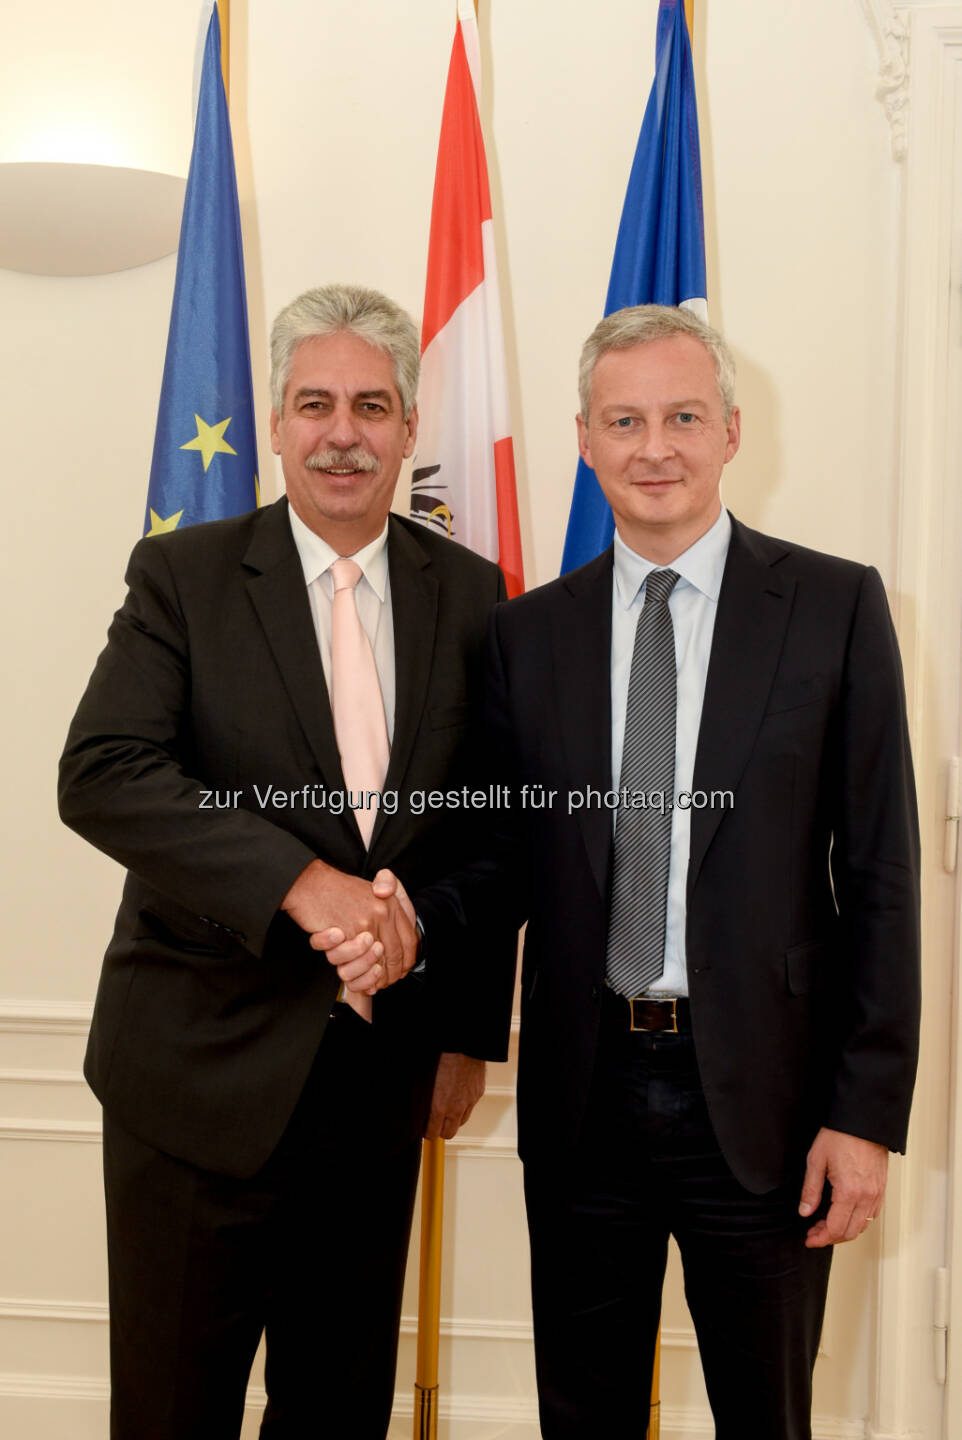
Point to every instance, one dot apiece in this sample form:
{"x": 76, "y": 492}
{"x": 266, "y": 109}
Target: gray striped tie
{"x": 642, "y": 849}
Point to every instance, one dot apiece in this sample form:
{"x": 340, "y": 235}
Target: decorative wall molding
{"x": 903, "y": 1396}
{"x": 482, "y": 1147}
{"x": 41, "y": 1077}
{"x": 84, "y": 1131}
{"x": 685, "y": 1422}
{"x": 677, "y": 1422}
{"x": 54, "y": 1387}
{"x": 488, "y": 1409}
{"x": 827, "y": 1427}
{"x": 678, "y": 1337}
{"x": 96, "y": 1312}
{"x": 468, "y": 1329}
{"x": 672, "y": 1337}
{"x": 890, "y": 26}
{"x": 73, "y": 1311}
{"x": 45, "y": 1017}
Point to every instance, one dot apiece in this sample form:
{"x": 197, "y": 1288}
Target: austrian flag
{"x": 463, "y": 482}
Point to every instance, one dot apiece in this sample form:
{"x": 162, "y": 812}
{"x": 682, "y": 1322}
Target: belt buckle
{"x": 671, "y": 1025}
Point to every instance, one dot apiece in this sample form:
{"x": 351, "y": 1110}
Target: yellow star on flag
{"x": 210, "y": 441}
{"x": 159, "y": 526}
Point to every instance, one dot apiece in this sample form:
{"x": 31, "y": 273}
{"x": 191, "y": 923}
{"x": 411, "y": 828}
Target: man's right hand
{"x": 360, "y": 961}
{"x": 324, "y": 902}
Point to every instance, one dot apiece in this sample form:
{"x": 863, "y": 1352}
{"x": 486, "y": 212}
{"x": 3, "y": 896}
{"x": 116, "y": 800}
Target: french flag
{"x": 463, "y": 482}
{"x": 660, "y": 250}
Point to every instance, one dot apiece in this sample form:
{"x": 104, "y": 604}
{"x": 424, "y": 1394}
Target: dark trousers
{"x": 309, "y": 1251}
{"x": 648, "y": 1166}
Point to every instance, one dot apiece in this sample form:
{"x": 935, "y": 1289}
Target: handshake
{"x": 367, "y": 928}
{"x": 368, "y": 931}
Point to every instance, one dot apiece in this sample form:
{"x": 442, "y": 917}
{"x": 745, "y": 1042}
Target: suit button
{"x": 594, "y": 992}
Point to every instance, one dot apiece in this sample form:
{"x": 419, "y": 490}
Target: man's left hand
{"x": 458, "y": 1086}
{"x": 856, "y": 1170}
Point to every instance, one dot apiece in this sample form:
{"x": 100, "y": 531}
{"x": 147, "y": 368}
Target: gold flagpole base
{"x": 654, "y": 1411}
{"x": 425, "y": 1412}
{"x": 429, "y": 1292}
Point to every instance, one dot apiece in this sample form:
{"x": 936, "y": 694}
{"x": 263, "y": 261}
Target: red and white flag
{"x": 463, "y": 481}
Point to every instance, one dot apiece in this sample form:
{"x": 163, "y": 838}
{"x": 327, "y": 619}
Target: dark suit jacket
{"x": 211, "y": 1004}
{"x": 802, "y": 922}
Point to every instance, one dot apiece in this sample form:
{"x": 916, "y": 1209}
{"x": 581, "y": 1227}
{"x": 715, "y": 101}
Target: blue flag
{"x": 660, "y": 250}
{"x": 205, "y": 451}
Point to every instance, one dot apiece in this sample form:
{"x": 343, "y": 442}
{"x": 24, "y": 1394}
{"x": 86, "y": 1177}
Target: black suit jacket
{"x": 802, "y": 913}
{"x": 206, "y": 717}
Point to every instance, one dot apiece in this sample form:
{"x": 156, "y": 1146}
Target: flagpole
{"x": 654, "y": 1412}
{"x": 429, "y": 1291}
{"x": 490, "y": 425}
{"x": 223, "y": 7}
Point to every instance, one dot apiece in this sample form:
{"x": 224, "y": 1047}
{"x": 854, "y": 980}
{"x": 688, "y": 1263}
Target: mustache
{"x": 354, "y": 459}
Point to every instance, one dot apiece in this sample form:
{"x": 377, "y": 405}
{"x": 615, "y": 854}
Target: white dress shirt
{"x": 372, "y": 594}
{"x": 693, "y": 604}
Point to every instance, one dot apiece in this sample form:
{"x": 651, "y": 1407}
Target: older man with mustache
{"x": 262, "y": 1126}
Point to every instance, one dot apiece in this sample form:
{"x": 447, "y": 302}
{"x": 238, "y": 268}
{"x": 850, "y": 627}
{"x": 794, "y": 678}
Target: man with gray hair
{"x": 275, "y": 691}
{"x": 720, "y": 990}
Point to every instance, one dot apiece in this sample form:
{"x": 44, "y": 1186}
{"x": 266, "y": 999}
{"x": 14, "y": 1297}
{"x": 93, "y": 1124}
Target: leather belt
{"x": 649, "y": 1013}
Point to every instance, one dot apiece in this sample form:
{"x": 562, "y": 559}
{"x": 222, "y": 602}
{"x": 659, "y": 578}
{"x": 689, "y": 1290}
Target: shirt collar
{"x": 702, "y": 565}
{"x": 316, "y": 556}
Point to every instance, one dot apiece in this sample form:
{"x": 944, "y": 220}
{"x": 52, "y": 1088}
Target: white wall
{"x": 336, "y": 109}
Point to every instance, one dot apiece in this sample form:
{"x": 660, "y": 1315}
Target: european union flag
{"x": 660, "y": 250}
{"x": 205, "y": 450}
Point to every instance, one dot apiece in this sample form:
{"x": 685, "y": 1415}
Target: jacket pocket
{"x": 441, "y": 716}
{"x": 793, "y": 694}
{"x": 805, "y": 966}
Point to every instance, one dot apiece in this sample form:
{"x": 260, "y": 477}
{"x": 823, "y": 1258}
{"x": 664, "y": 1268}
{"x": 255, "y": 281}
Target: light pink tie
{"x": 358, "y": 705}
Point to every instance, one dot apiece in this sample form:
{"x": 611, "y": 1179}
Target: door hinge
{"x": 950, "y": 844}
{"x": 940, "y": 1323}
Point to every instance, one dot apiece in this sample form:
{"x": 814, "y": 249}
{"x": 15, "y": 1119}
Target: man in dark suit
{"x": 261, "y": 1137}
{"x": 716, "y": 848}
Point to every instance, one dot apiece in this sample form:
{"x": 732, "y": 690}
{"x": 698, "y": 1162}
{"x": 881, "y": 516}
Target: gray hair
{"x": 639, "y": 325}
{"x": 365, "y": 313}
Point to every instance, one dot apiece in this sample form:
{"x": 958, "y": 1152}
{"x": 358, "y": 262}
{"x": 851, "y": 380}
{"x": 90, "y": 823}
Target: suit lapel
{"x": 279, "y": 595}
{"x": 753, "y": 612}
{"x": 414, "y": 602}
{"x": 581, "y": 644}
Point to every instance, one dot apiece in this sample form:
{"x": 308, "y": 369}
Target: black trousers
{"x": 309, "y": 1251}
{"x": 648, "y": 1167}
